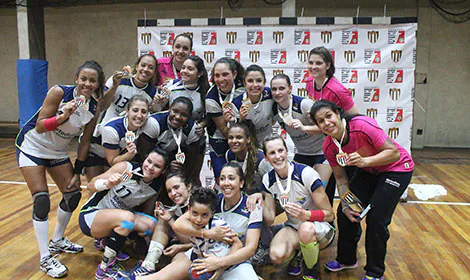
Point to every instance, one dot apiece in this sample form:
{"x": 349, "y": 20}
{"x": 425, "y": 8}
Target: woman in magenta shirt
{"x": 322, "y": 85}
{"x": 381, "y": 171}
{"x": 169, "y": 67}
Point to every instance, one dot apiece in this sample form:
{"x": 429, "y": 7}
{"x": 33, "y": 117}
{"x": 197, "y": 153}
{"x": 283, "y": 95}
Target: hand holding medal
{"x": 80, "y": 101}
{"x": 355, "y": 204}
{"x": 130, "y": 136}
{"x": 341, "y": 157}
{"x": 126, "y": 72}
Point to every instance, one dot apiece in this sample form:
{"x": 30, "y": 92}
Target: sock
{"x": 108, "y": 256}
{"x": 63, "y": 218}
{"x": 41, "y": 228}
{"x": 153, "y": 255}
{"x": 310, "y": 253}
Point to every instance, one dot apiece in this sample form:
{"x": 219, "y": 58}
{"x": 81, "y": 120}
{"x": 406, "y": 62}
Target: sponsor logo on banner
{"x": 209, "y": 38}
{"x": 349, "y": 37}
{"x": 231, "y": 37}
{"x": 302, "y": 37}
{"x": 235, "y": 54}
{"x": 326, "y": 36}
{"x": 395, "y": 76}
{"x": 372, "y": 56}
{"x": 278, "y": 36}
{"x": 394, "y": 93}
{"x": 142, "y": 52}
{"x": 209, "y": 56}
{"x": 333, "y": 54}
{"x": 372, "y": 112}
{"x": 373, "y": 36}
{"x": 254, "y": 56}
{"x": 352, "y": 91}
{"x": 393, "y": 132}
{"x": 278, "y": 56}
{"x": 371, "y": 94}
{"x": 146, "y": 38}
{"x": 167, "y": 38}
{"x": 349, "y": 76}
{"x": 396, "y": 55}
{"x": 396, "y": 36}
{"x": 254, "y": 37}
{"x": 349, "y": 56}
{"x": 373, "y": 75}
{"x": 300, "y": 75}
{"x": 394, "y": 114}
{"x": 277, "y": 72}
{"x": 167, "y": 53}
{"x": 302, "y": 92}
{"x": 302, "y": 55}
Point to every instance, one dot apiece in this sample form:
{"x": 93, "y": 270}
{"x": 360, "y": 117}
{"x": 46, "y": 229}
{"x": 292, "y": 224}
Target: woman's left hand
{"x": 357, "y": 160}
{"x": 296, "y": 211}
{"x": 297, "y": 124}
{"x": 176, "y": 165}
{"x": 206, "y": 264}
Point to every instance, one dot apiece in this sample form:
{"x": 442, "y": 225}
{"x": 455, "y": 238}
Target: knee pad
{"x": 41, "y": 206}
{"x": 70, "y": 200}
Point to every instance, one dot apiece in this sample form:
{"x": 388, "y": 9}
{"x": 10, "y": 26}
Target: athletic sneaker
{"x": 311, "y": 274}
{"x": 100, "y": 244}
{"x": 52, "y": 267}
{"x": 335, "y": 266}
{"x": 261, "y": 256}
{"x": 138, "y": 270}
{"x": 295, "y": 265}
{"x": 111, "y": 272}
{"x": 64, "y": 245}
{"x": 366, "y": 277}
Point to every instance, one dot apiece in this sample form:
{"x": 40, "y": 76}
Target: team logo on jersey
{"x": 394, "y": 93}
{"x": 371, "y": 94}
{"x": 349, "y": 76}
{"x": 396, "y": 55}
{"x": 393, "y": 132}
{"x": 235, "y": 54}
{"x": 302, "y": 92}
{"x": 254, "y": 37}
{"x": 352, "y": 91}
{"x": 278, "y": 36}
{"x": 349, "y": 37}
{"x": 396, "y": 36}
{"x": 209, "y": 38}
{"x": 277, "y": 72}
{"x": 278, "y": 56}
{"x": 146, "y": 38}
{"x": 167, "y": 38}
{"x": 373, "y": 36}
{"x": 302, "y": 55}
{"x": 209, "y": 56}
{"x": 301, "y": 37}
{"x": 394, "y": 114}
{"x": 167, "y": 53}
{"x": 371, "y": 112}
{"x": 326, "y": 36}
{"x": 231, "y": 37}
{"x": 349, "y": 56}
{"x": 300, "y": 75}
{"x": 372, "y": 56}
{"x": 395, "y": 76}
{"x": 254, "y": 56}
{"x": 373, "y": 75}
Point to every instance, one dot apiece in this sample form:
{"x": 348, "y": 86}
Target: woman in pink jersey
{"x": 322, "y": 85}
{"x": 169, "y": 67}
{"x": 375, "y": 169}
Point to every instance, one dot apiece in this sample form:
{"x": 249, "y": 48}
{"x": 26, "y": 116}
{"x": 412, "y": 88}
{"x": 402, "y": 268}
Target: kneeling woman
{"x": 383, "y": 173}
{"x": 111, "y": 216}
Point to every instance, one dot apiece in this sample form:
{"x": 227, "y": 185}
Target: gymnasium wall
{"x": 107, "y": 33}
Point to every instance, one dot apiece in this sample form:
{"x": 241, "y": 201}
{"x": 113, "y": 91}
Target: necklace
{"x": 284, "y": 197}
{"x": 341, "y": 157}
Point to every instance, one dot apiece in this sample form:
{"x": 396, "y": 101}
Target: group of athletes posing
{"x": 142, "y": 145}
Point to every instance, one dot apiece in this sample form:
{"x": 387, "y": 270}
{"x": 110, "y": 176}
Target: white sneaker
{"x": 52, "y": 267}
{"x": 64, "y": 245}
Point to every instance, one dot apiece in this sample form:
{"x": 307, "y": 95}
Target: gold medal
{"x": 80, "y": 100}
{"x": 130, "y": 137}
{"x": 283, "y": 199}
{"x": 342, "y": 158}
{"x": 126, "y": 72}
{"x": 180, "y": 157}
{"x": 126, "y": 176}
{"x": 288, "y": 120}
{"x": 247, "y": 103}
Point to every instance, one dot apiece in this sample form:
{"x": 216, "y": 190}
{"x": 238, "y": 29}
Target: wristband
{"x": 101, "y": 185}
{"x": 50, "y": 124}
{"x": 317, "y": 216}
{"x": 79, "y": 165}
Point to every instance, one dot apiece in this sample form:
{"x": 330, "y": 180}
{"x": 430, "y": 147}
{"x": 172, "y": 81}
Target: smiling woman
{"x": 169, "y": 67}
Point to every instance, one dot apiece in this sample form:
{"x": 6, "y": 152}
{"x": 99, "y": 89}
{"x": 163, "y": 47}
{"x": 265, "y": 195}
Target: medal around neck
{"x": 80, "y": 101}
{"x": 283, "y": 199}
{"x": 247, "y": 103}
{"x": 180, "y": 157}
{"x": 130, "y": 137}
{"x": 288, "y": 119}
{"x": 126, "y": 72}
{"x": 342, "y": 158}
{"x": 126, "y": 176}
{"x": 164, "y": 92}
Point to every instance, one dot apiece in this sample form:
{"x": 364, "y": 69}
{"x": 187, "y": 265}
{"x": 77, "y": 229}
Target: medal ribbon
{"x": 229, "y": 96}
{"x": 289, "y": 180}
{"x": 338, "y": 144}
{"x": 289, "y": 112}
{"x": 177, "y": 138}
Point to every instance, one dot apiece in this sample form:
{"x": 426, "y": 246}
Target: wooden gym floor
{"x": 429, "y": 240}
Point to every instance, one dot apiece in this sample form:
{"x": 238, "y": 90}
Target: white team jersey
{"x": 54, "y": 144}
{"x": 178, "y": 89}
{"x": 260, "y": 114}
{"x": 126, "y": 195}
{"x": 305, "y": 180}
{"x": 209, "y": 246}
{"x": 238, "y": 217}
{"x": 306, "y": 144}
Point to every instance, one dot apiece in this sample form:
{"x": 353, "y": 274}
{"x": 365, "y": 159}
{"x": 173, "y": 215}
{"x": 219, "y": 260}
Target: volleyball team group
{"x": 142, "y": 140}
